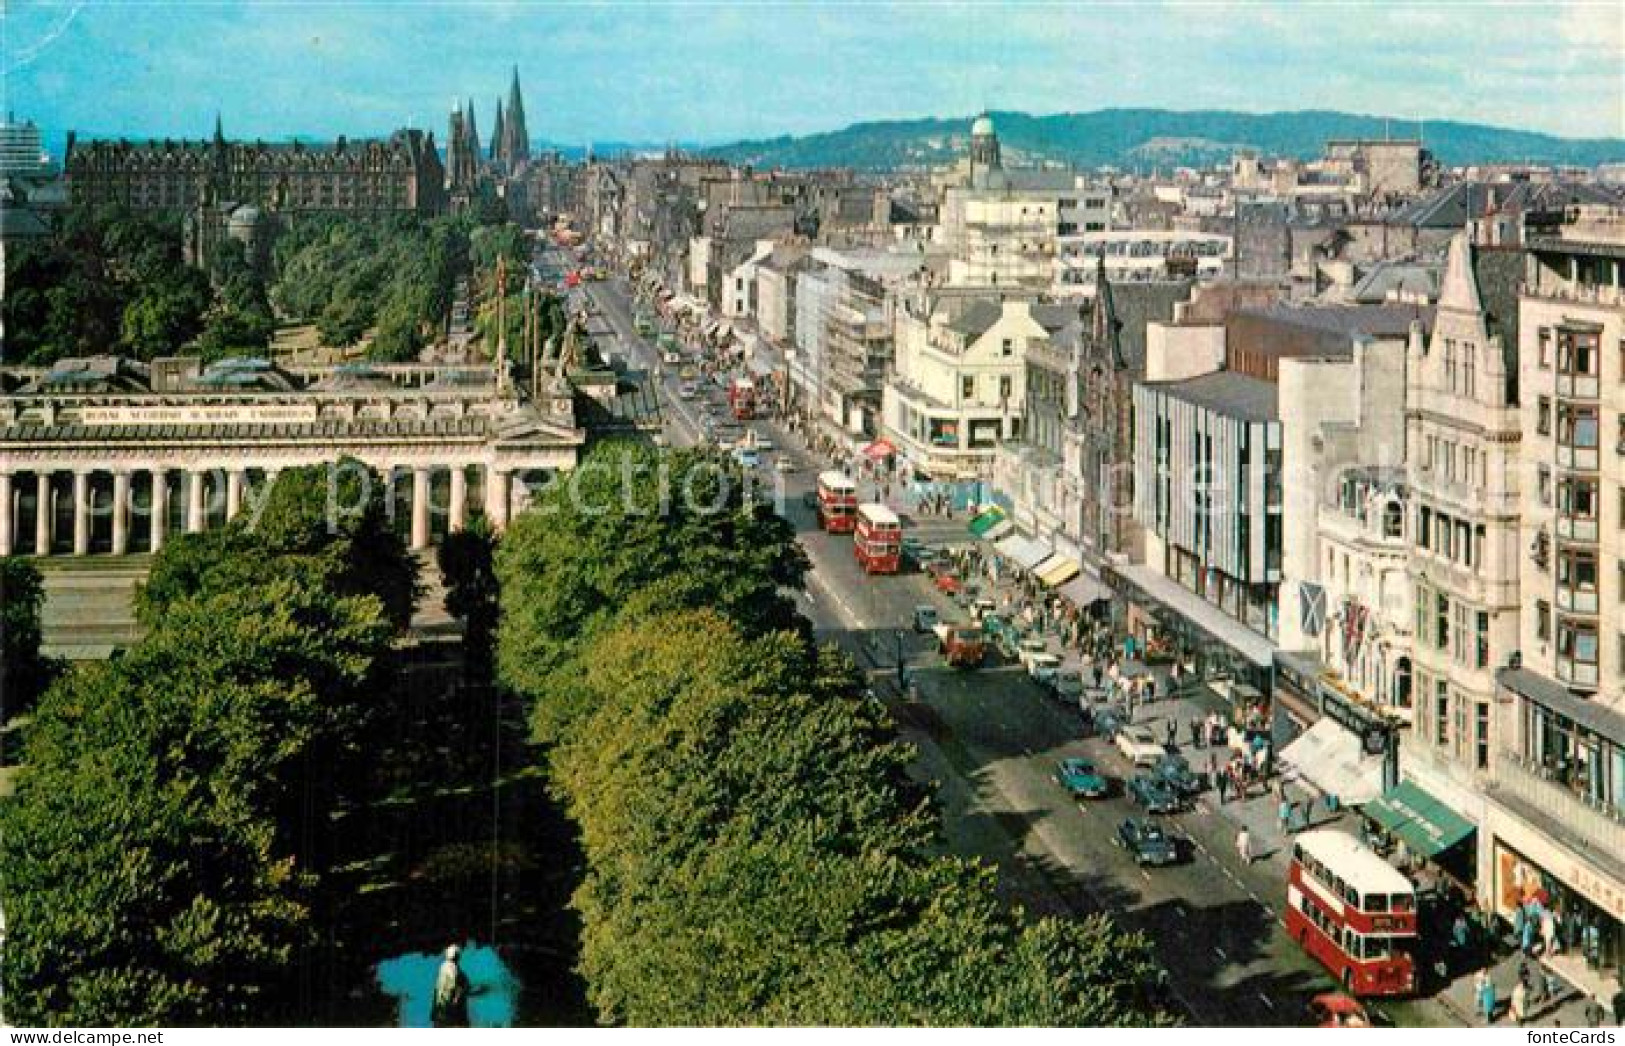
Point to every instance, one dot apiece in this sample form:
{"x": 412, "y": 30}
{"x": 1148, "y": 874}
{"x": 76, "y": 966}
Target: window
{"x": 1450, "y": 364}
{"x": 1441, "y": 712}
{"x": 1544, "y": 484}
{"x": 1543, "y": 620}
{"x": 1004, "y": 387}
{"x": 967, "y": 386}
{"x": 1441, "y": 621}
{"x": 1481, "y": 641}
{"x": 1007, "y": 347}
{"x": 1469, "y": 363}
{"x": 1545, "y": 340}
{"x": 1424, "y": 524}
{"x": 1481, "y": 735}
{"x": 1543, "y": 415}
{"x": 1459, "y": 624}
{"x": 1393, "y": 520}
{"x": 1478, "y": 547}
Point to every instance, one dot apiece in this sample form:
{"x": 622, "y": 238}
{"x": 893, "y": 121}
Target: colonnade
{"x": 194, "y": 483}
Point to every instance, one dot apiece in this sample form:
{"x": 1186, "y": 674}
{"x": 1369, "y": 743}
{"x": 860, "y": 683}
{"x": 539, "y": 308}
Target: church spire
{"x": 471, "y": 130}
{"x": 497, "y": 131}
{"x": 515, "y": 136}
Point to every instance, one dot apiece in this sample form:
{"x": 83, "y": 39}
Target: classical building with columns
{"x": 109, "y": 456}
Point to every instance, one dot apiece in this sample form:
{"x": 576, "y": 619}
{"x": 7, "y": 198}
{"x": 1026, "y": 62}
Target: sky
{"x": 652, "y": 71}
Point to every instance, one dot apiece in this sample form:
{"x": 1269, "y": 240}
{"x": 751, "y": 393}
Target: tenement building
{"x": 110, "y": 456}
{"x": 1556, "y": 821}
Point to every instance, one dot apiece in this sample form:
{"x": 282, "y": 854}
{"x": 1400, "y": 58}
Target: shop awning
{"x": 1083, "y": 591}
{"x": 1003, "y": 528}
{"x": 986, "y": 520}
{"x": 1056, "y": 569}
{"x": 1332, "y": 759}
{"x": 1420, "y": 821}
{"x": 1025, "y": 552}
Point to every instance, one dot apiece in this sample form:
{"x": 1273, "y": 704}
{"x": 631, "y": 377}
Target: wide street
{"x": 990, "y": 739}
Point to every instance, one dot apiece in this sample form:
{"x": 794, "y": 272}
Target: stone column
{"x": 81, "y": 513}
{"x": 5, "y": 514}
{"x": 194, "y": 501}
{"x": 42, "y": 514}
{"x": 458, "y": 508}
{"x": 121, "y": 513}
{"x": 159, "y": 507}
{"x": 234, "y": 493}
{"x": 498, "y": 496}
{"x": 420, "y": 508}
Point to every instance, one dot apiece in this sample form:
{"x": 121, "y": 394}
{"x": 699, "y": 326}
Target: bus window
{"x": 1403, "y": 902}
{"x": 1375, "y": 902}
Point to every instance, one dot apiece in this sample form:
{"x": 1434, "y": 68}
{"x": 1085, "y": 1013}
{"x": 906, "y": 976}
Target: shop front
{"x": 1586, "y": 904}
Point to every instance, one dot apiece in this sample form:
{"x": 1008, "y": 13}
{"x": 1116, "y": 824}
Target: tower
{"x": 472, "y": 130}
{"x": 515, "y": 138}
{"x": 984, "y": 147}
{"x": 496, "y": 135}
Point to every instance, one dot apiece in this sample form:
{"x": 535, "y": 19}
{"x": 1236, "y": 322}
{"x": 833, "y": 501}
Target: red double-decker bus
{"x": 1354, "y": 912}
{"x": 837, "y": 502}
{"x": 878, "y": 539}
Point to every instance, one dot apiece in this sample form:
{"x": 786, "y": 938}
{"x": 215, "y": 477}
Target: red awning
{"x": 880, "y": 448}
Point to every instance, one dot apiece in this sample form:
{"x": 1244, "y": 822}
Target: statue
{"x": 449, "y": 1008}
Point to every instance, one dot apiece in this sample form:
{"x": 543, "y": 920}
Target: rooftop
{"x": 1225, "y": 392}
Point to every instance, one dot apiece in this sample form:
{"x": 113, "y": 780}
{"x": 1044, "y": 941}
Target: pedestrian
{"x": 1244, "y": 846}
{"x": 1519, "y": 1008}
{"x": 1285, "y": 817}
{"x": 1222, "y": 783}
{"x": 1548, "y": 933}
{"x": 1460, "y": 935}
{"x": 1172, "y": 733}
{"x": 1484, "y": 992}
{"x": 448, "y": 1007}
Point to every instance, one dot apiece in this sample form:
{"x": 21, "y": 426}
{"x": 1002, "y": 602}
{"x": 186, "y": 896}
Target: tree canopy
{"x": 24, "y": 672}
{"x": 755, "y": 850}
{"x": 168, "y": 841}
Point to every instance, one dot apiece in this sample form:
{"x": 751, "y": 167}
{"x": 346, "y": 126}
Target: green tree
{"x": 328, "y": 525}
{"x": 24, "y": 672}
{"x": 467, "y": 561}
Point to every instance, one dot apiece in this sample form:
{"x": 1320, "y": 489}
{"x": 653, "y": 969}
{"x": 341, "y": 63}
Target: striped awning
{"x": 1057, "y": 569}
{"x": 1025, "y": 552}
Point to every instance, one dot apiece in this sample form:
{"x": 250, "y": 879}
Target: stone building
{"x": 109, "y": 456}
{"x": 399, "y": 173}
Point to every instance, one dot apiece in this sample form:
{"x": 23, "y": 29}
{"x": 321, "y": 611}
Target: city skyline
{"x": 665, "y": 72}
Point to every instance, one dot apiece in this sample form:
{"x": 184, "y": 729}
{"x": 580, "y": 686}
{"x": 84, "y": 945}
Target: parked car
{"x": 1028, "y": 647}
{"x": 925, "y": 617}
{"x": 1081, "y": 779}
{"x": 1042, "y": 668}
{"x": 942, "y": 576}
{"x": 1107, "y": 720}
{"x": 1154, "y": 795}
{"x": 1176, "y": 773}
{"x": 1067, "y": 685}
{"x": 1138, "y": 745}
{"x": 1147, "y": 843}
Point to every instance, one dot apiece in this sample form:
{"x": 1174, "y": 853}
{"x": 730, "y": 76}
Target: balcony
{"x": 1575, "y": 819}
{"x": 1601, "y": 294}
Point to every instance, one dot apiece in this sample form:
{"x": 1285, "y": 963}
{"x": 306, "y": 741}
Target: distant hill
{"x": 1139, "y": 139}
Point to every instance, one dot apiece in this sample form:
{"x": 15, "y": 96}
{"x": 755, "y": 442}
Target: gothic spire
{"x": 497, "y": 131}
{"x": 471, "y": 130}
{"x": 516, "y": 138}
{"x": 1104, "y": 325}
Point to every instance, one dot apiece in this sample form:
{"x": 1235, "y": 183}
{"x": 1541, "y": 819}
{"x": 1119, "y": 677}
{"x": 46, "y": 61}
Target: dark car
{"x": 1176, "y": 773}
{"x": 1147, "y": 843}
{"x": 1081, "y": 779}
{"x": 1108, "y": 720}
{"x": 1067, "y": 686}
{"x": 1154, "y": 795}
{"x": 925, "y": 617}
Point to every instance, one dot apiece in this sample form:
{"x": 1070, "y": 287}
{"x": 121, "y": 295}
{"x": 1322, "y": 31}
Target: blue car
{"x": 1175, "y": 772}
{"x": 1081, "y": 779}
{"x": 1154, "y": 795}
